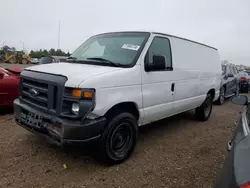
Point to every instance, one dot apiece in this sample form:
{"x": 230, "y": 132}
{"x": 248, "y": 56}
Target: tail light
{"x": 243, "y": 79}
{"x": 245, "y": 185}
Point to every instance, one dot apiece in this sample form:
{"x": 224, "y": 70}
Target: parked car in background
{"x": 47, "y": 60}
{"x": 115, "y": 82}
{"x": 60, "y": 58}
{"x": 229, "y": 83}
{"x": 34, "y": 61}
{"x": 248, "y": 72}
{"x": 9, "y": 85}
{"x": 244, "y": 81}
{"x": 236, "y": 169}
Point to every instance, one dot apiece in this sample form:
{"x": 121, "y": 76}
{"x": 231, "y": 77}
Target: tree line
{"x": 52, "y": 52}
{"x": 34, "y": 53}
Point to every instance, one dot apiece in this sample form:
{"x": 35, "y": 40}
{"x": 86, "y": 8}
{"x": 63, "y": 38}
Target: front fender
{"x": 106, "y": 98}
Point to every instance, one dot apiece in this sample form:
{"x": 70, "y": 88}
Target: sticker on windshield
{"x": 131, "y": 47}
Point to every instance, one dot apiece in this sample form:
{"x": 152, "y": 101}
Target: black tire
{"x": 24, "y": 61}
{"x": 119, "y": 138}
{"x": 247, "y": 89}
{"x": 237, "y": 91}
{"x": 221, "y": 98}
{"x": 203, "y": 112}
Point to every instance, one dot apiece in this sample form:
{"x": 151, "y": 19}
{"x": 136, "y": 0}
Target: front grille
{"x": 42, "y": 98}
{"x": 42, "y": 91}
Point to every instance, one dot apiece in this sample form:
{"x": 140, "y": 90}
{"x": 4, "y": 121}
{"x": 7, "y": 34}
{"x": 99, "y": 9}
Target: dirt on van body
{"x": 175, "y": 152}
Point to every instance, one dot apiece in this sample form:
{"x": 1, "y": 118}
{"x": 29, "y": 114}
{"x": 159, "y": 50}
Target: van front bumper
{"x": 59, "y": 131}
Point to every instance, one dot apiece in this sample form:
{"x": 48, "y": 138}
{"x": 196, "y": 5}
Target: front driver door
{"x": 158, "y": 86}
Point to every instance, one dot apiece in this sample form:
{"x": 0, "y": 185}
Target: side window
{"x": 231, "y": 70}
{"x": 237, "y": 72}
{"x": 228, "y": 70}
{"x": 234, "y": 71}
{"x": 159, "y": 46}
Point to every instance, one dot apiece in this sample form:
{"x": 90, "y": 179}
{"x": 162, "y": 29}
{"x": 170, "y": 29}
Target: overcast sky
{"x": 224, "y": 24}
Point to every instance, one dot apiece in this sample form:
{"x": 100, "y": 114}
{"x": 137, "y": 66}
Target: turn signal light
{"x": 245, "y": 185}
{"x": 88, "y": 94}
{"x": 76, "y": 93}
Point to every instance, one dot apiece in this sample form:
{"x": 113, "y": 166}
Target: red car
{"x": 9, "y": 83}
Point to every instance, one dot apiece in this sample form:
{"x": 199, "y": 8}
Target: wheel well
{"x": 130, "y": 107}
{"x": 211, "y": 92}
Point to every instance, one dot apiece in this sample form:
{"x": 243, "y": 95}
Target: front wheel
{"x": 24, "y": 61}
{"x": 119, "y": 138}
{"x": 203, "y": 112}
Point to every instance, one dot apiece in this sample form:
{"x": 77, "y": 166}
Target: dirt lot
{"x": 6, "y": 65}
{"x": 176, "y": 152}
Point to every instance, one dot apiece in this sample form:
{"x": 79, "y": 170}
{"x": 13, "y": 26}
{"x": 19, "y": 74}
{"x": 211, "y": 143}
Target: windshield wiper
{"x": 72, "y": 59}
{"x": 104, "y": 60}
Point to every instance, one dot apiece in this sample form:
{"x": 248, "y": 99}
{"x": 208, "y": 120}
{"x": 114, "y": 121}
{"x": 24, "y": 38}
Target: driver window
{"x": 159, "y": 46}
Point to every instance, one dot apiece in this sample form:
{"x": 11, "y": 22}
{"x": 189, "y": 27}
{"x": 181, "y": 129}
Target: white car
{"x": 34, "y": 61}
{"x": 114, "y": 83}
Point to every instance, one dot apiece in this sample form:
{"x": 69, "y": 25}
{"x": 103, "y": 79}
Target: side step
{"x": 229, "y": 95}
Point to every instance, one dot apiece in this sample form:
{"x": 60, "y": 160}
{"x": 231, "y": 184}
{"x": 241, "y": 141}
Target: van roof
{"x": 151, "y": 32}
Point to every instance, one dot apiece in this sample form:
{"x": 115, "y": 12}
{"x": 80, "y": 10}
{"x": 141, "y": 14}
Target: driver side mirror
{"x": 159, "y": 63}
{"x": 239, "y": 99}
{"x": 1, "y": 75}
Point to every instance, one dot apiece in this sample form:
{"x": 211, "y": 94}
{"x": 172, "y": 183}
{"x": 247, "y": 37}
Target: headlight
{"x": 75, "y": 108}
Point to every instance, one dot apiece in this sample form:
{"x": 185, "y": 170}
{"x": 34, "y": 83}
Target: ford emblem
{"x": 33, "y": 92}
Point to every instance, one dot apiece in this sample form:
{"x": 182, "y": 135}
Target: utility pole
{"x": 59, "y": 32}
{"x": 23, "y": 44}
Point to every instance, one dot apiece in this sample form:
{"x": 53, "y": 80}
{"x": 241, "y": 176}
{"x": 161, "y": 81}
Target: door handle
{"x": 229, "y": 145}
{"x": 172, "y": 87}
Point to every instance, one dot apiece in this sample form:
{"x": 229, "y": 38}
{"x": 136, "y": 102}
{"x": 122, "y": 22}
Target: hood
{"x": 76, "y": 73}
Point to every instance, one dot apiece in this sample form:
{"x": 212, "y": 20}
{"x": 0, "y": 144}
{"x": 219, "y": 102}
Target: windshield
{"x": 4, "y": 71}
{"x": 120, "y": 49}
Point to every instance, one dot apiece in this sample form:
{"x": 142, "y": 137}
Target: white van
{"x": 115, "y": 82}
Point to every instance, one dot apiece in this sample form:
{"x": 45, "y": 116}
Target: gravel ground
{"x": 6, "y": 65}
{"x": 176, "y": 152}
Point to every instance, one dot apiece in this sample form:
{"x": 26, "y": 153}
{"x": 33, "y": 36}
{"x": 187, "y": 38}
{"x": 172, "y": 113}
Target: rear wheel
{"x": 237, "y": 91}
{"x": 203, "y": 112}
{"x": 221, "y": 98}
{"x": 247, "y": 89}
{"x": 119, "y": 138}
